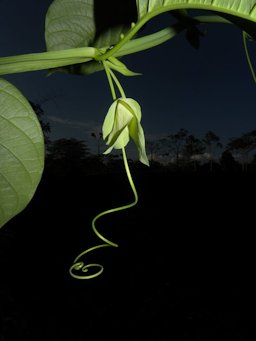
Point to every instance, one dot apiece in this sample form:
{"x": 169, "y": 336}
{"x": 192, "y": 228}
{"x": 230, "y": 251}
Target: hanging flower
{"x": 122, "y": 122}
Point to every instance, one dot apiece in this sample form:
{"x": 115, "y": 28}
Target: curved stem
{"x": 80, "y": 265}
{"x": 248, "y": 56}
{"x": 155, "y": 12}
{"x": 121, "y": 90}
{"x": 129, "y": 176}
{"x": 211, "y": 19}
{"x": 110, "y": 81}
{"x": 162, "y": 36}
{"x": 149, "y": 41}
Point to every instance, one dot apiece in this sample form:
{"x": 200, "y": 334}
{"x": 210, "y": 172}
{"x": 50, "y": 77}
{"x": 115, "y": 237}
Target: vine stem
{"x": 110, "y": 81}
{"x": 122, "y": 93}
{"x": 46, "y": 60}
{"x": 79, "y": 265}
{"x": 154, "y": 39}
{"x": 129, "y": 176}
{"x": 150, "y": 15}
{"x": 248, "y": 55}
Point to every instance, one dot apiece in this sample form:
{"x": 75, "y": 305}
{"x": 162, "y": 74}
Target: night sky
{"x": 181, "y": 87}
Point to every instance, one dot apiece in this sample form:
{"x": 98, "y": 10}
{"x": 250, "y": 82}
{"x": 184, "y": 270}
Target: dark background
{"x": 184, "y": 269}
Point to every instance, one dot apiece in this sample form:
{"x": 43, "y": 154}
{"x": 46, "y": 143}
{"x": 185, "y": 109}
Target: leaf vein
{"x": 19, "y": 161}
{"x": 252, "y": 9}
{"x": 13, "y": 188}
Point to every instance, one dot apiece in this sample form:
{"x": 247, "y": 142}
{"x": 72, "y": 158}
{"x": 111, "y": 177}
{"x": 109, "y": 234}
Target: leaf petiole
{"x": 110, "y": 81}
{"x": 119, "y": 86}
{"x": 112, "y": 77}
{"x": 162, "y": 36}
{"x": 46, "y": 60}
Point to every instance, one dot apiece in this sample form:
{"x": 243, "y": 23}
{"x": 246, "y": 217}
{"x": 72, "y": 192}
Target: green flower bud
{"x": 122, "y": 122}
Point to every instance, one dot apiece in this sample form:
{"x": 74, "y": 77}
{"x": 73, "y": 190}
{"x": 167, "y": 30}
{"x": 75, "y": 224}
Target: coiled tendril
{"x": 79, "y": 268}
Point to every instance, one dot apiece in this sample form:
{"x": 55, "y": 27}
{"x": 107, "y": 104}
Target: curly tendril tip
{"x": 79, "y": 269}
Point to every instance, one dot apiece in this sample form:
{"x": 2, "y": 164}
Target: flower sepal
{"x": 122, "y": 122}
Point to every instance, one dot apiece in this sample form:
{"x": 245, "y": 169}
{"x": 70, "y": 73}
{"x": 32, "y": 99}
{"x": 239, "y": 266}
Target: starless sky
{"x": 181, "y": 87}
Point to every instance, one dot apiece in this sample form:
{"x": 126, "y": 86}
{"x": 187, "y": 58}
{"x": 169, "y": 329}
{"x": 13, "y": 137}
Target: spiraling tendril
{"x": 121, "y": 122}
{"x": 79, "y": 269}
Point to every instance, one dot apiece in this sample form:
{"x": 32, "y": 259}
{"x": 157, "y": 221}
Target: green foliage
{"x": 71, "y": 24}
{"x": 21, "y": 152}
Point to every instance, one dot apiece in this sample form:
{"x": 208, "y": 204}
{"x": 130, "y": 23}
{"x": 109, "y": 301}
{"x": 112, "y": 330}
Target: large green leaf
{"x": 69, "y": 24}
{"x": 241, "y": 12}
{"x": 21, "y": 152}
{"x": 243, "y": 8}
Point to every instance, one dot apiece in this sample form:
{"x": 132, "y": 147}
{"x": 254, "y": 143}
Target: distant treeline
{"x": 181, "y": 151}
{"x": 178, "y": 152}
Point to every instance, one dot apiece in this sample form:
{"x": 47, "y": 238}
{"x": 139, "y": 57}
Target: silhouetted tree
{"x": 68, "y": 149}
{"x": 211, "y": 140}
{"x": 175, "y": 144}
{"x": 152, "y": 147}
{"x": 99, "y": 139}
{"x": 253, "y": 163}
{"x": 228, "y": 162}
{"x": 45, "y": 125}
{"x": 242, "y": 146}
{"x": 192, "y": 149}
{"x": 65, "y": 156}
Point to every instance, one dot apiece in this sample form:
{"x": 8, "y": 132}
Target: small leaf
{"x": 115, "y": 64}
{"x": 21, "y": 152}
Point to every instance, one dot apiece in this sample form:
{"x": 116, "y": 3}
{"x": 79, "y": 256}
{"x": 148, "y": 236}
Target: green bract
{"x": 122, "y": 122}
